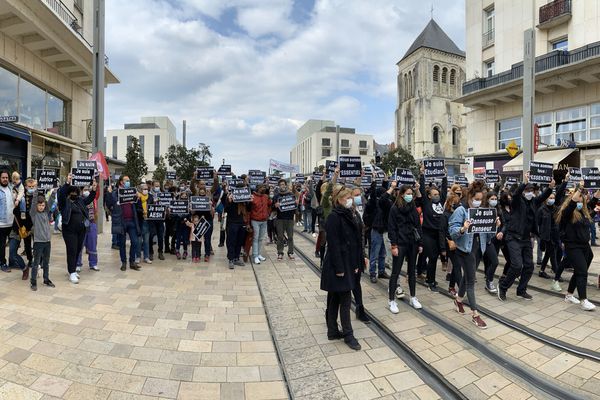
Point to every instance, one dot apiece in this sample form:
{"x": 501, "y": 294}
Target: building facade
{"x": 429, "y": 122}
{"x": 46, "y": 64}
{"x": 567, "y": 81}
{"x": 155, "y": 135}
{"x": 321, "y": 140}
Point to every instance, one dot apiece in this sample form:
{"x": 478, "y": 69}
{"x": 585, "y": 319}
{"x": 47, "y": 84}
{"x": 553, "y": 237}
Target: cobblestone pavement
{"x": 173, "y": 330}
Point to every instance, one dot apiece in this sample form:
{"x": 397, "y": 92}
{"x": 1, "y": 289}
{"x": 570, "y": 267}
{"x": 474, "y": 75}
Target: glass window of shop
{"x": 32, "y": 105}
{"x": 544, "y": 122}
{"x": 8, "y": 93}
{"x": 56, "y": 121}
{"x": 571, "y": 124}
{"x": 595, "y": 121}
{"x": 509, "y": 130}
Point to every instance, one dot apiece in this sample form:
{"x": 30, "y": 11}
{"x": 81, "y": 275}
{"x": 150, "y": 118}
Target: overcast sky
{"x": 245, "y": 74}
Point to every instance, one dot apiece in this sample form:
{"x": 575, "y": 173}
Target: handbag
{"x": 23, "y": 233}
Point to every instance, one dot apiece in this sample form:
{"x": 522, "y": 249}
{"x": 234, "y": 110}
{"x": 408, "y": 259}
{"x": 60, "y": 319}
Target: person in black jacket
{"x": 237, "y": 213}
{"x": 521, "y": 228}
{"x": 574, "y": 221}
{"x": 490, "y": 257}
{"x": 405, "y": 234}
{"x": 432, "y": 209}
{"x": 383, "y": 202}
{"x": 504, "y": 214}
{"x": 343, "y": 259}
{"x": 549, "y": 236}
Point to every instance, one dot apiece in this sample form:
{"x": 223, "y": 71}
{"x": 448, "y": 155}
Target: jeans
{"x": 593, "y": 232}
{"x": 115, "y": 239}
{"x": 157, "y": 229}
{"x": 376, "y": 253}
{"x": 131, "y": 230}
{"x": 306, "y": 218}
{"x": 182, "y": 235}
{"x": 91, "y": 243}
{"x": 73, "y": 237}
{"x": 521, "y": 265}
{"x": 236, "y": 233}
{"x": 285, "y": 226}
{"x": 338, "y": 303}
{"x": 41, "y": 258}
{"x": 259, "y": 228}
{"x": 4, "y": 232}
{"x": 580, "y": 259}
{"x": 456, "y": 274}
{"x": 408, "y": 252}
{"x": 14, "y": 259}
{"x": 144, "y": 238}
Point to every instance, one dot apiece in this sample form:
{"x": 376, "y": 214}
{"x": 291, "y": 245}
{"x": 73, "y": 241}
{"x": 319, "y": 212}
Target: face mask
{"x": 182, "y": 188}
{"x": 579, "y": 205}
{"x": 30, "y": 191}
{"x": 476, "y": 203}
{"x": 358, "y": 200}
{"x": 528, "y": 195}
{"x": 407, "y": 198}
{"x": 145, "y": 192}
{"x": 127, "y": 184}
{"x": 435, "y": 199}
{"x": 156, "y": 189}
{"x": 551, "y": 202}
{"x": 493, "y": 203}
{"x": 86, "y": 193}
{"x": 348, "y": 203}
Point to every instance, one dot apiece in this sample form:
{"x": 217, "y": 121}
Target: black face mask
{"x": 73, "y": 196}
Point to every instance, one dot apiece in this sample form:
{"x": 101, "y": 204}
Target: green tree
{"x": 184, "y": 161}
{"x": 160, "y": 173}
{"x": 399, "y": 158}
{"x": 136, "y": 166}
{"x": 205, "y": 154}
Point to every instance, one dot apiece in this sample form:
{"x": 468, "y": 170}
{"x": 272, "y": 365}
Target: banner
{"x": 284, "y": 167}
{"x": 101, "y": 164}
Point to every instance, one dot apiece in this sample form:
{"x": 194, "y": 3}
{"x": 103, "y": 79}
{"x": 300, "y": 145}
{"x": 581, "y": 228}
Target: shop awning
{"x": 15, "y": 131}
{"x": 59, "y": 140}
{"x": 551, "y": 156}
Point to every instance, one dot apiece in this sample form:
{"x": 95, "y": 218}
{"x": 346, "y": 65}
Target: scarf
{"x": 144, "y": 198}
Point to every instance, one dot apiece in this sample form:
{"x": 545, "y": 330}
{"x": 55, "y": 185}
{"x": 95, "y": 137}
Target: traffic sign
{"x": 512, "y": 148}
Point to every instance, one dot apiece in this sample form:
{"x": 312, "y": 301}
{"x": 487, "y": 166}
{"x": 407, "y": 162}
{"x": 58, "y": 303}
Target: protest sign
{"x": 483, "y": 220}
{"x": 540, "y": 172}
{"x": 434, "y": 168}
{"x": 82, "y": 176}
{"x": 178, "y": 207}
{"x": 273, "y": 180}
{"x": 201, "y": 228}
{"x": 88, "y": 164}
{"x": 461, "y": 180}
{"x": 47, "y": 178}
{"x": 224, "y": 170}
{"x": 200, "y": 203}
{"x": 350, "y": 166}
{"x": 405, "y": 176}
{"x": 287, "y": 202}
{"x": 241, "y": 194}
{"x": 591, "y": 178}
{"x": 365, "y": 181}
{"x": 492, "y": 176}
{"x": 330, "y": 166}
{"x": 156, "y": 212}
{"x": 127, "y": 195}
{"x": 300, "y": 178}
{"x": 205, "y": 173}
{"x": 163, "y": 198}
{"x": 171, "y": 176}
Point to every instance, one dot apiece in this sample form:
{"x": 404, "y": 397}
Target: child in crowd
{"x": 195, "y": 239}
{"x": 40, "y": 217}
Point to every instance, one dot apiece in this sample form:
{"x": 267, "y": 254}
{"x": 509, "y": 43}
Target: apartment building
{"x": 567, "y": 81}
{"x": 46, "y": 64}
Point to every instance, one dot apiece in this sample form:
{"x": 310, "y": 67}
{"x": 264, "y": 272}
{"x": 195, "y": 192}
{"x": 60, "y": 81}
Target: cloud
{"x": 245, "y": 74}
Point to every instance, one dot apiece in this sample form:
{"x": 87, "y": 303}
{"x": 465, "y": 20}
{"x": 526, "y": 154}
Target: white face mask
{"x": 145, "y": 192}
{"x": 551, "y": 202}
{"x": 476, "y": 203}
{"x": 348, "y": 203}
{"x": 493, "y": 203}
{"x": 528, "y": 195}
{"x": 86, "y": 193}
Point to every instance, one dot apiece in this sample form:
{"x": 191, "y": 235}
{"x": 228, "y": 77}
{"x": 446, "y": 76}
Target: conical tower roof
{"x": 434, "y": 37}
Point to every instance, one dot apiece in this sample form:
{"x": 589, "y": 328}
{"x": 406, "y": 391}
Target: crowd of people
{"x": 354, "y": 227}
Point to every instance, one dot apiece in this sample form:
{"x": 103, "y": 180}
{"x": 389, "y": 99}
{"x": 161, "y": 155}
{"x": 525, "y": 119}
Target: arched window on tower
{"x": 452, "y": 76}
{"x": 444, "y": 75}
{"x": 436, "y": 73}
{"x": 436, "y": 135}
{"x": 405, "y": 86}
{"x": 410, "y": 84}
{"x": 454, "y": 136}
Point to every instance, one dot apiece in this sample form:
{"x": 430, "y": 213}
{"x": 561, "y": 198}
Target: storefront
{"x": 13, "y": 148}
{"x": 562, "y": 159}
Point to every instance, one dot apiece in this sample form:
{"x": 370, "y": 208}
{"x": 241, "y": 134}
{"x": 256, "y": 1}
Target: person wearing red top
{"x": 259, "y": 213}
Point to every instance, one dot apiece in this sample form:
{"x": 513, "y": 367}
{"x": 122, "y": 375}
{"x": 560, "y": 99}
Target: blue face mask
{"x": 30, "y": 191}
{"x": 579, "y": 205}
{"x": 550, "y": 202}
{"x": 408, "y": 198}
{"x": 358, "y": 200}
{"x": 127, "y": 184}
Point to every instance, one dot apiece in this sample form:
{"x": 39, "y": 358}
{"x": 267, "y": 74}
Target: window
{"x": 325, "y": 152}
{"x": 444, "y": 75}
{"x": 595, "y": 121}
{"x": 544, "y": 122}
{"x": 345, "y": 143}
{"x": 362, "y": 144}
{"x": 56, "y": 121}
{"x": 436, "y": 134}
{"x": 114, "y": 147}
{"x": 489, "y": 17}
{"x": 436, "y": 73}
{"x": 345, "y": 151}
{"x": 8, "y": 93}
{"x": 410, "y": 84}
{"x": 489, "y": 68}
{"x": 156, "y": 149}
{"x": 142, "y": 141}
{"x": 560, "y": 44}
{"x": 509, "y": 130}
{"x": 32, "y": 107}
{"x": 325, "y": 142}
{"x": 363, "y": 152}
{"x": 571, "y": 124}
{"x": 453, "y": 76}
{"x": 129, "y": 137}
{"x": 454, "y": 136}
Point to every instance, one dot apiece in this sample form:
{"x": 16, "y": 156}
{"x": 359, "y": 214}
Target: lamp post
{"x": 98, "y": 95}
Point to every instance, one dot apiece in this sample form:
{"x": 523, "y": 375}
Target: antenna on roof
{"x": 432, "y": 10}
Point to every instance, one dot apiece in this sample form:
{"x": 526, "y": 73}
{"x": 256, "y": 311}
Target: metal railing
{"x": 488, "y": 38}
{"x": 554, "y": 9}
{"x": 554, "y": 59}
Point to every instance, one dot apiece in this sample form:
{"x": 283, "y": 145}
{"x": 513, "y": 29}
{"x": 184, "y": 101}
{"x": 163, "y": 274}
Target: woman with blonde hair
{"x": 573, "y": 219}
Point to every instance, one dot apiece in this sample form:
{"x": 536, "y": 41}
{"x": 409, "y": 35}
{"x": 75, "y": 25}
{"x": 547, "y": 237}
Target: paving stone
{"x": 199, "y": 391}
{"x": 51, "y": 385}
{"x": 161, "y": 387}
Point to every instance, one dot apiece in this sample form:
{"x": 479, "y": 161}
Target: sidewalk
{"x": 173, "y": 330}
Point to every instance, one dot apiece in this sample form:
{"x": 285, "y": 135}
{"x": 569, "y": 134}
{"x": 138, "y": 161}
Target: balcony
{"x": 554, "y": 13}
{"x": 488, "y": 39}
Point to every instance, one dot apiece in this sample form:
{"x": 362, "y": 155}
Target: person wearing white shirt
{"x": 7, "y": 205}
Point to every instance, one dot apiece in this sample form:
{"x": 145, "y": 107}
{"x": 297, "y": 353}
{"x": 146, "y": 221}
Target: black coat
{"x": 575, "y": 235}
{"x": 432, "y": 213}
{"x": 380, "y": 221}
{"x": 546, "y": 224}
{"x": 405, "y": 225}
{"x": 344, "y": 251}
{"x": 520, "y": 210}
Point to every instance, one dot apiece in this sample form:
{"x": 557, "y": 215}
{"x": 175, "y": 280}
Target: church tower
{"x": 428, "y": 121}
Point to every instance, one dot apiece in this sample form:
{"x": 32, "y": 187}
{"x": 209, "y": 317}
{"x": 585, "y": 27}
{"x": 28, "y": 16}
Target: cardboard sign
{"x": 434, "y": 168}
{"x": 483, "y": 220}
{"x": 171, "y": 176}
{"x": 241, "y": 194}
{"x": 287, "y": 202}
{"x": 201, "y": 228}
{"x": 127, "y": 195}
{"x": 492, "y": 176}
{"x": 540, "y": 173}
{"x": 206, "y": 173}
{"x": 365, "y": 181}
{"x": 88, "y": 164}
{"x": 163, "y": 198}
{"x": 330, "y": 166}
{"x": 200, "y": 203}
{"x": 350, "y": 166}
{"x": 300, "y": 178}
{"x": 224, "y": 170}
{"x": 461, "y": 180}
{"x": 405, "y": 176}
{"x": 82, "y": 176}
{"x": 591, "y": 178}
{"x": 47, "y": 178}
{"x": 178, "y": 207}
{"x": 156, "y": 212}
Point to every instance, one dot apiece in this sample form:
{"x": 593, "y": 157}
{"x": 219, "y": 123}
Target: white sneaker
{"x": 414, "y": 302}
{"x": 586, "y": 305}
{"x": 314, "y": 235}
{"x": 94, "y": 268}
{"x": 399, "y": 292}
{"x": 256, "y": 260}
{"x": 147, "y": 261}
{"x": 74, "y": 278}
{"x": 78, "y": 269}
{"x": 137, "y": 260}
{"x": 393, "y": 307}
{"x": 261, "y": 258}
{"x": 77, "y": 274}
{"x": 570, "y": 299}
{"x": 555, "y": 286}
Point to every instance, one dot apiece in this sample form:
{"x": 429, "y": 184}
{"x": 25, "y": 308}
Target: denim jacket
{"x": 464, "y": 242}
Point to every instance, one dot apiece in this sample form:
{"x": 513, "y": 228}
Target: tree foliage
{"x": 185, "y": 161}
{"x": 160, "y": 173}
{"x": 135, "y": 166}
{"x": 399, "y": 158}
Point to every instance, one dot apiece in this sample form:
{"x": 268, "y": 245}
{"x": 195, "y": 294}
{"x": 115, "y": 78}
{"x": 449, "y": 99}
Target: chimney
{"x": 184, "y": 133}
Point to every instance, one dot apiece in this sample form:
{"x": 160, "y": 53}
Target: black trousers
{"x": 357, "y": 291}
{"x": 431, "y": 247}
{"x": 236, "y": 234}
{"x": 196, "y": 249}
{"x": 313, "y": 212}
{"x": 4, "y": 232}
{"x": 338, "y": 303}
{"x": 506, "y": 254}
{"x": 408, "y": 252}
{"x": 456, "y": 274}
{"x": 550, "y": 254}
{"x": 28, "y": 249}
{"x": 41, "y": 258}
{"x": 74, "y": 243}
{"x": 521, "y": 264}
{"x": 580, "y": 259}
{"x": 157, "y": 229}
{"x": 490, "y": 262}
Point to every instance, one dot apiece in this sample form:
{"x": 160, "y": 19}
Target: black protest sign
{"x": 511, "y": 180}
{"x": 235, "y": 182}
{"x": 82, "y": 176}
{"x": 379, "y": 177}
{"x": 483, "y": 220}
{"x": 434, "y": 168}
{"x": 200, "y": 203}
{"x": 224, "y": 170}
{"x": 127, "y": 195}
{"x": 47, "y": 178}
{"x": 171, "y": 175}
{"x": 404, "y": 176}
{"x": 350, "y": 166}
{"x": 201, "y": 228}
{"x": 450, "y": 180}
{"x": 178, "y": 207}
{"x": 591, "y": 178}
{"x": 492, "y": 176}
{"x": 575, "y": 174}
{"x": 156, "y": 212}
{"x": 206, "y": 173}
{"x": 255, "y": 172}
{"x": 287, "y": 202}
{"x": 461, "y": 180}
{"x": 540, "y": 172}
{"x": 479, "y": 177}
{"x": 163, "y": 198}
{"x": 241, "y": 194}
{"x": 316, "y": 176}
{"x": 300, "y": 178}
{"x": 365, "y": 181}
{"x": 330, "y": 166}
{"x": 89, "y": 164}
{"x": 256, "y": 177}
{"x": 274, "y": 180}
